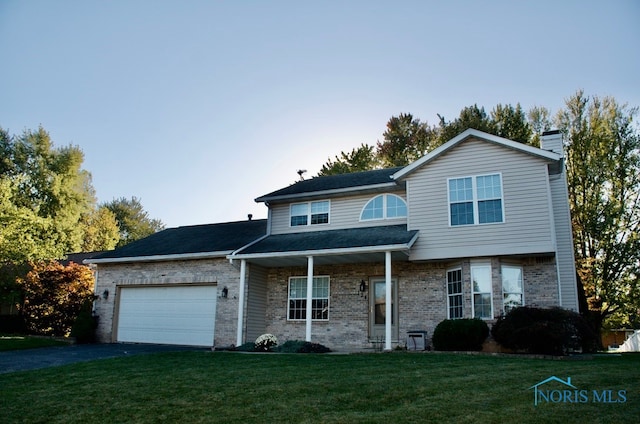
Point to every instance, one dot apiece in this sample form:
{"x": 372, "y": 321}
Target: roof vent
{"x": 250, "y": 216}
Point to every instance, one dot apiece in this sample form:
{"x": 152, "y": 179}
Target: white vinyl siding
{"x": 256, "y": 309}
{"x": 527, "y": 226}
{"x": 345, "y": 213}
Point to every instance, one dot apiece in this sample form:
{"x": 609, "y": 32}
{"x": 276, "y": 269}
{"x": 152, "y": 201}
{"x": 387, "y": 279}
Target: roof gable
{"x": 334, "y": 184}
{"x": 477, "y": 135}
{"x": 196, "y": 240}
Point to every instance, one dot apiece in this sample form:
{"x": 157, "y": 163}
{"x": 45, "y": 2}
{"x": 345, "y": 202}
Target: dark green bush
{"x": 460, "y": 334}
{"x": 246, "y": 347}
{"x": 299, "y": 346}
{"x": 12, "y": 324}
{"x": 548, "y": 331}
{"x": 85, "y": 325}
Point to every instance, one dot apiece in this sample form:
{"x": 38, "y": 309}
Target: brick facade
{"x": 207, "y": 271}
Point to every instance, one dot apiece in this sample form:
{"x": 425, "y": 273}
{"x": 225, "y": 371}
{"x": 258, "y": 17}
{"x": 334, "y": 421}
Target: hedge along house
{"x": 476, "y": 227}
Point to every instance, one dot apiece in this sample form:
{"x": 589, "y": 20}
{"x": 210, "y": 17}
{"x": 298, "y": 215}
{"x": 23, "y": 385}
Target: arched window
{"x": 384, "y": 206}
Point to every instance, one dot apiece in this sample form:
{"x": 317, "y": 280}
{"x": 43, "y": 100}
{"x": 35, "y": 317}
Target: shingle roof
{"x": 332, "y": 183}
{"x": 225, "y": 237}
{"x": 351, "y": 238}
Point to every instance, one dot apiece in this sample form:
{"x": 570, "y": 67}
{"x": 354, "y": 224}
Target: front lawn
{"x": 225, "y": 387}
{"x": 17, "y": 342}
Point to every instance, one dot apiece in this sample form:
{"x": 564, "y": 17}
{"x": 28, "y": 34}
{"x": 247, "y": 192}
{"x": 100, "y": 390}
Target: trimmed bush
{"x": 460, "y": 334}
{"x": 12, "y": 324}
{"x": 552, "y": 331}
{"x": 85, "y": 325}
{"x": 299, "y": 346}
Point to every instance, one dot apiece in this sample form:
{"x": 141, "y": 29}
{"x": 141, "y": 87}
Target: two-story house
{"x": 476, "y": 227}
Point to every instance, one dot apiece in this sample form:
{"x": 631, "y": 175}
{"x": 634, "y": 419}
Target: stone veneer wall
{"x": 205, "y": 271}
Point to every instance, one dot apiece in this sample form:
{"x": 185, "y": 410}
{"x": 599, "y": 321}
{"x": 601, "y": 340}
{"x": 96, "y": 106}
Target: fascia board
{"x": 326, "y": 193}
{"x": 160, "y": 258}
{"x": 544, "y": 154}
{"x": 326, "y": 252}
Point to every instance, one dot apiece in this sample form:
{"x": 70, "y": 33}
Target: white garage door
{"x": 177, "y": 315}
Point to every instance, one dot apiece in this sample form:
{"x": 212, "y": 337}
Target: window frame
{"x": 301, "y": 310}
{"x": 476, "y": 199}
{"x": 385, "y": 207}
{"x": 476, "y": 267}
{"x": 505, "y": 293}
{"x": 307, "y": 219}
{"x": 458, "y": 294}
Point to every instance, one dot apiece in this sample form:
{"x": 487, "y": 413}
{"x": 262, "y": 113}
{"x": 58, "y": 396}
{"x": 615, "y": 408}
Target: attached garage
{"x": 176, "y": 315}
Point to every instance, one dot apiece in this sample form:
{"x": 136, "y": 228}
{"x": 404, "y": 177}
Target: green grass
{"x": 196, "y": 387}
{"x": 16, "y": 342}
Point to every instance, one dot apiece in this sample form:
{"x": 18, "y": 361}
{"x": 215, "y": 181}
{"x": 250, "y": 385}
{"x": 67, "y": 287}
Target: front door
{"x": 378, "y": 309}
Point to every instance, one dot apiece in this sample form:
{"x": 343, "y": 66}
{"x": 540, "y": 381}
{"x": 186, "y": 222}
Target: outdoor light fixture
{"x": 225, "y": 292}
{"x": 105, "y": 294}
{"x": 363, "y": 288}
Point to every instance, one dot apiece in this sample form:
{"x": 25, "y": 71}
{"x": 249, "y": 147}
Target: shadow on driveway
{"x": 31, "y": 359}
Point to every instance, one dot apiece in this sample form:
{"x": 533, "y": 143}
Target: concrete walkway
{"x": 31, "y": 359}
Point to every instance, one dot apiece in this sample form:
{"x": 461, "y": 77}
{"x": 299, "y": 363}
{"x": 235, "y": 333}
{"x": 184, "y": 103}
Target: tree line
{"x": 602, "y": 159}
{"x": 48, "y": 209}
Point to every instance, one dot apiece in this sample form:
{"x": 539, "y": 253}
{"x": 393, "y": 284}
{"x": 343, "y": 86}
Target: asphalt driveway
{"x": 31, "y": 359}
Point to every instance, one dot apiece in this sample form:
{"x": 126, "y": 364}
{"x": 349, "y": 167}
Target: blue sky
{"x": 199, "y": 107}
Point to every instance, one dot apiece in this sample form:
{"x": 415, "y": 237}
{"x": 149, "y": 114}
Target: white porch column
{"x": 389, "y": 312}
{"x": 241, "y": 290}
{"x": 309, "y": 296}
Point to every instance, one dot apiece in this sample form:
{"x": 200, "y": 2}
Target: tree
{"x": 44, "y": 192}
{"x": 54, "y": 295}
{"x": 405, "y": 140}
{"x": 470, "y": 117}
{"x": 540, "y": 121}
{"x": 511, "y": 123}
{"x": 603, "y": 173}
{"x": 362, "y": 158}
{"x": 133, "y": 221}
{"x": 101, "y": 231}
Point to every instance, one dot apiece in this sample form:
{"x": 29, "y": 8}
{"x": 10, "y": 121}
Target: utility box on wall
{"x": 416, "y": 340}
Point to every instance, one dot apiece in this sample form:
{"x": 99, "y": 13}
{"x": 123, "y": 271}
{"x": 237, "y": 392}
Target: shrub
{"x": 299, "y": 346}
{"x": 552, "y": 331}
{"x": 84, "y": 327}
{"x": 266, "y": 342}
{"x": 460, "y": 334}
{"x": 12, "y": 324}
{"x": 246, "y": 347}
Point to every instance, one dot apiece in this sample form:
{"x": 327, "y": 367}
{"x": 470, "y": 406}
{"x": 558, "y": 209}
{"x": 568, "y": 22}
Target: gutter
{"x": 159, "y": 258}
{"x": 324, "y": 193}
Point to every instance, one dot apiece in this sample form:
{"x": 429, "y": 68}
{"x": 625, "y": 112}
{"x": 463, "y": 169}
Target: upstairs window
{"x": 310, "y": 213}
{"x": 384, "y": 206}
{"x": 475, "y": 200}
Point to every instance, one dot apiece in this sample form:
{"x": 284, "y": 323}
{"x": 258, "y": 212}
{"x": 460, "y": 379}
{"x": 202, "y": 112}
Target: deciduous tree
{"x": 603, "y": 172}
{"x": 133, "y": 221}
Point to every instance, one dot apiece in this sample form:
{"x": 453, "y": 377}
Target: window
{"x": 454, "y": 294}
{"x": 481, "y": 286}
{"x": 310, "y": 213}
{"x": 298, "y": 298}
{"x": 384, "y": 206}
{"x": 511, "y": 287}
{"x": 475, "y": 200}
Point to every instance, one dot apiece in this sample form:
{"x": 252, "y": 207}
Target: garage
{"x": 176, "y": 315}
